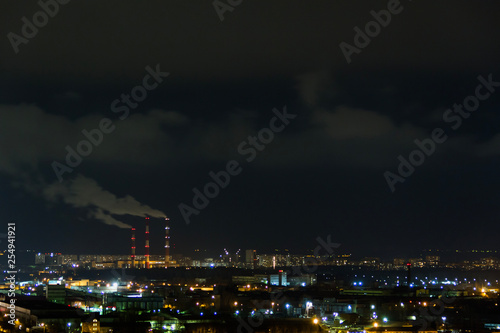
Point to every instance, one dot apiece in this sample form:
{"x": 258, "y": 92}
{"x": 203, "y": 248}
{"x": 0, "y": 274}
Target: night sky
{"x": 323, "y": 174}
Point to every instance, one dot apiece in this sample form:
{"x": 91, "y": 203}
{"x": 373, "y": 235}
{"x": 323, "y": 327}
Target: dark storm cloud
{"x": 32, "y": 137}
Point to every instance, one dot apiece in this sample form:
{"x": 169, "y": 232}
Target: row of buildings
{"x": 253, "y": 260}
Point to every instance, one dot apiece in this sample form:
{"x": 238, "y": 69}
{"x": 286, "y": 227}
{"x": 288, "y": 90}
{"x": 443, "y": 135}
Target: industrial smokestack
{"x": 132, "y": 255}
{"x": 147, "y": 243}
{"x": 167, "y": 241}
{"x": 408, "y": 265}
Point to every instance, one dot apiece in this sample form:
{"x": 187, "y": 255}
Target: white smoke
{"x": 108, "y": 219}
{"x": 83, "y": 192}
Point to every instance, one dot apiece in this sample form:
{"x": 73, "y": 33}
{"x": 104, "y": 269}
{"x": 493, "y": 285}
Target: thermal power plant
{"x": 146, "y": 261}
{"x": 132, "y": 255}
{"x": 146, "y": 250}
{"x": 167, "y": 241}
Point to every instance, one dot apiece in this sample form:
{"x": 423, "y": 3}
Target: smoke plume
{"x": 83, "y": 192}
